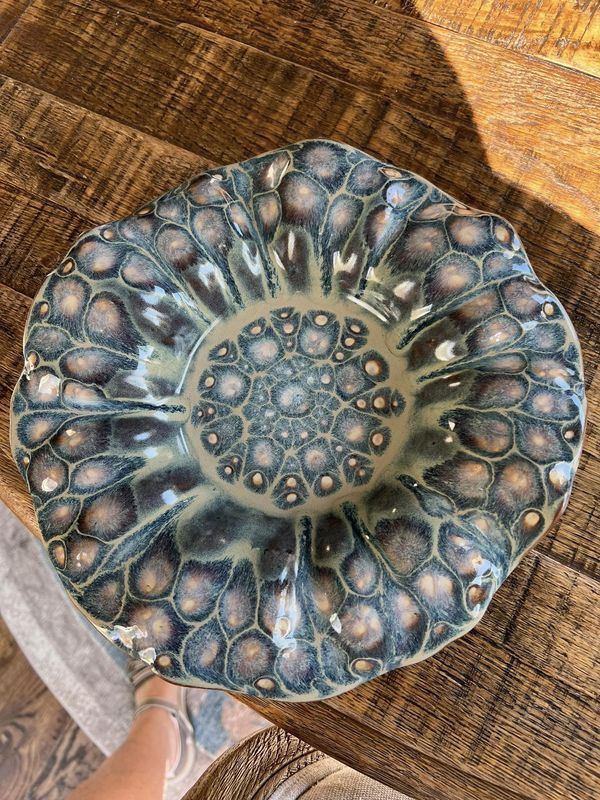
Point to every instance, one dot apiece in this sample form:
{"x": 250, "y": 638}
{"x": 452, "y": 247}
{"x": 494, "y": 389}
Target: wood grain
{"x": 105, "y": 104}
{"x": 254, "y": 768}
{"x": 43, "y": 754}
{"x": 10, "y": 10}
{"x": 560, "y": 32}
{"x": 242, "y": 100}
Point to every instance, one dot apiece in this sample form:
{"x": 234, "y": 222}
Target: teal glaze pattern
{"x": 290, "y": 425}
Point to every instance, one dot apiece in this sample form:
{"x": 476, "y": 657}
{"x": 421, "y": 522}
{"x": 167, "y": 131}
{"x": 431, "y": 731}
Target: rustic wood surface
{"x": 255, "y": 768}
{"x": 104, "y": 104}
{"x": 43, "y": 754}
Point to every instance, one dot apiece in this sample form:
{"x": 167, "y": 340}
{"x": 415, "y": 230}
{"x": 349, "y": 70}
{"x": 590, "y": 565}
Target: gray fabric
{"x": 82, "y": 670}
{"x": 330, "y": 780}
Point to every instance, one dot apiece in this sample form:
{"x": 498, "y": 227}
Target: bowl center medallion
{"x": 295, "y": 405}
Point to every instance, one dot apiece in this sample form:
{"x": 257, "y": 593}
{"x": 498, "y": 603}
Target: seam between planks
{"x": 358, "y": 725}
{"x": 15, "y": 22}
{"x": 418, "y": 22}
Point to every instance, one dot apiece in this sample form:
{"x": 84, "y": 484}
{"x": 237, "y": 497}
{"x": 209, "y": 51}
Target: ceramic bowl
{"x": 290, "y": 425}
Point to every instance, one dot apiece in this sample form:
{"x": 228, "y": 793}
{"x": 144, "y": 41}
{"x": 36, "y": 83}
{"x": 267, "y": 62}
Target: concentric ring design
{"x": 290, "y": 425}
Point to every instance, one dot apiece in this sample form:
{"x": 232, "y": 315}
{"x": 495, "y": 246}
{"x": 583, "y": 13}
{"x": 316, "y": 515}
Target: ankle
{"x": 159, "y": 722}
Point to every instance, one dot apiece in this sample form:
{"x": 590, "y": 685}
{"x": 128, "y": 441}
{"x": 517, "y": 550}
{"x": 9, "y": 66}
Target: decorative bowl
{"x": 290, "y": 425}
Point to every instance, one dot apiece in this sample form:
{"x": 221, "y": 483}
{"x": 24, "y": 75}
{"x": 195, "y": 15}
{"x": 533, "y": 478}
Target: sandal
{"x": 138, "y": 673}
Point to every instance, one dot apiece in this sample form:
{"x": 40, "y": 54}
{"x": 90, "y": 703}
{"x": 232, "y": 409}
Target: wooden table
{"x": 104, "y": 103}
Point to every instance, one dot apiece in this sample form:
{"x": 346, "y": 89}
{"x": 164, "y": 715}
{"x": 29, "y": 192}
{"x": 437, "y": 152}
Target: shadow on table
{"x": 559, "y": 247}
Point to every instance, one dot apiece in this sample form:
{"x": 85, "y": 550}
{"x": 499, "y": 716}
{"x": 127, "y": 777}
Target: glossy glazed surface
{"x": 291, "y": 425}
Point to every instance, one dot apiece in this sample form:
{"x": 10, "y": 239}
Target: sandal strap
{"x": 186, "y": 742}
{"x": 138, "y": 673}
{"x": 158, "y": 702}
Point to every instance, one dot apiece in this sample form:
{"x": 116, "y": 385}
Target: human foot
{"x": 165, "y": 703}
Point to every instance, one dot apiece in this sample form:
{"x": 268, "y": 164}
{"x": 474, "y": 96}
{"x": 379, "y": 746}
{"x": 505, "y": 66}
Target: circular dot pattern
{"x": 296, "y": 407}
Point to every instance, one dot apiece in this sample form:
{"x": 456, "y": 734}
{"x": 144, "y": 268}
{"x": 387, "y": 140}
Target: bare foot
{"x": 158, "y": 689}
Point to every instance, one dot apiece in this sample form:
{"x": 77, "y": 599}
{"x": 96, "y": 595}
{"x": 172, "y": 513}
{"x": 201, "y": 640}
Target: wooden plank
{"x": 10, "y": 10}
{"x": 533, "y": 620}
{"x": 565, "y": 33}
{"x": 79, "y": 160}
{"x": 198, "y": 92}
{"x": 44, "y": 755}
{"x": 34, "y": 234}
{"x": 14, "y": 308}
{"x": 473, "y": 721}
{"x": 242, "y": 101}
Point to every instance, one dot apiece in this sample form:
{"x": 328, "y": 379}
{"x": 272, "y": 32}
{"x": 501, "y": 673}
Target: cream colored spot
{"x": 39, "y": 429}
{"x": 230, "y": 386}
{"x": 373, "y": 368}
{"x": 61, "y": 514}
{"x": 265, "y": 683}
{"x": 189, "y": 605}
{"x": 83, "y": 554}
{"x": 517, "y": 477}
{"x": 92, "y": 475}
{"x": 59, "y": 554}
{"x": 531, "y": 519}
{"x": 355, "y": 433}
{"x": 502, "y": 234}
{"x": 70, "y": 304}
{"x": 326, "y": 483}
{"x": 466, "y": 232}
{"x": 476, "y": 594}
{"x": 363, "y": 665}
